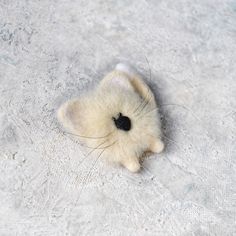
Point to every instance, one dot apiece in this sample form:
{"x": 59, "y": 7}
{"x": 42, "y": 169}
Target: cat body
{"x": 119, "y": 117}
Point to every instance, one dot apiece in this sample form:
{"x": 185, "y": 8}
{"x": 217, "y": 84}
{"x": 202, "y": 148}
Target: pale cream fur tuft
{"x": 92, "y": 116}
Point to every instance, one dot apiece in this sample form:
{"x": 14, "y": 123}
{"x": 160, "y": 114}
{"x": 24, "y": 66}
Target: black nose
{"x": 122, "y": 122}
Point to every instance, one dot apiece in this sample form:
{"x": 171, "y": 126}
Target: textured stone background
{"x": 53, "y": 50}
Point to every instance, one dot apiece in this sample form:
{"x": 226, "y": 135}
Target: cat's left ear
{"x": 125, "y": 77}
{"x": 117, "y": 79}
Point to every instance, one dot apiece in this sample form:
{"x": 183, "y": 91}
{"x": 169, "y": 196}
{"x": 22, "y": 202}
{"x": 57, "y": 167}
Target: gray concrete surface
{"x": 53, "y": 50}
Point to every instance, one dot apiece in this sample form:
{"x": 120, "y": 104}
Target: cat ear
{"x": 68, "y": 114}
{"x": 137, "y": 83}
{"x": 117, "y": 79}
{"x": 126, "y": 77}
{"x": 122, "y": 82}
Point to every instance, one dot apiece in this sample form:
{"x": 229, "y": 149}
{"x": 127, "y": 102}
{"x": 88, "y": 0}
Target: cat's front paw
{"x": 132, "y": 165}
{"x": 157, "y": 146}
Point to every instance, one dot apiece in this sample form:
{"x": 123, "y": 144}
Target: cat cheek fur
{"x": 121, "y": 91}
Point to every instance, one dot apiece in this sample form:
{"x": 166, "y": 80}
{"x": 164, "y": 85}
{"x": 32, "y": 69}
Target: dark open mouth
{"x": 122, "y": 122}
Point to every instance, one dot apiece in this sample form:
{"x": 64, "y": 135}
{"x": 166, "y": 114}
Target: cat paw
{"x": 157, "y": 146}
{"x": 132, "y": 166}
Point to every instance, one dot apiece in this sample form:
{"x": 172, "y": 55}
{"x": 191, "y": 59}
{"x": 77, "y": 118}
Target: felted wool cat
{"x": 120, "y": 117}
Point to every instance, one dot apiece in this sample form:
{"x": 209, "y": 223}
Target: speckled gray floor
{"x": 53, "y": 50}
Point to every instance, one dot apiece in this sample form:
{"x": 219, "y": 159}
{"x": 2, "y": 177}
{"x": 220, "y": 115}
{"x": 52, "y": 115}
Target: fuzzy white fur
{"x": 90, "y": 117}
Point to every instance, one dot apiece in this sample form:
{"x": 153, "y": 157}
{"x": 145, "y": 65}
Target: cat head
{"x": 119, "y": 117}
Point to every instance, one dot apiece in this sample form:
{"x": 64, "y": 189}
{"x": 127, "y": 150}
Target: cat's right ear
{"x": 68, "y": 114}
